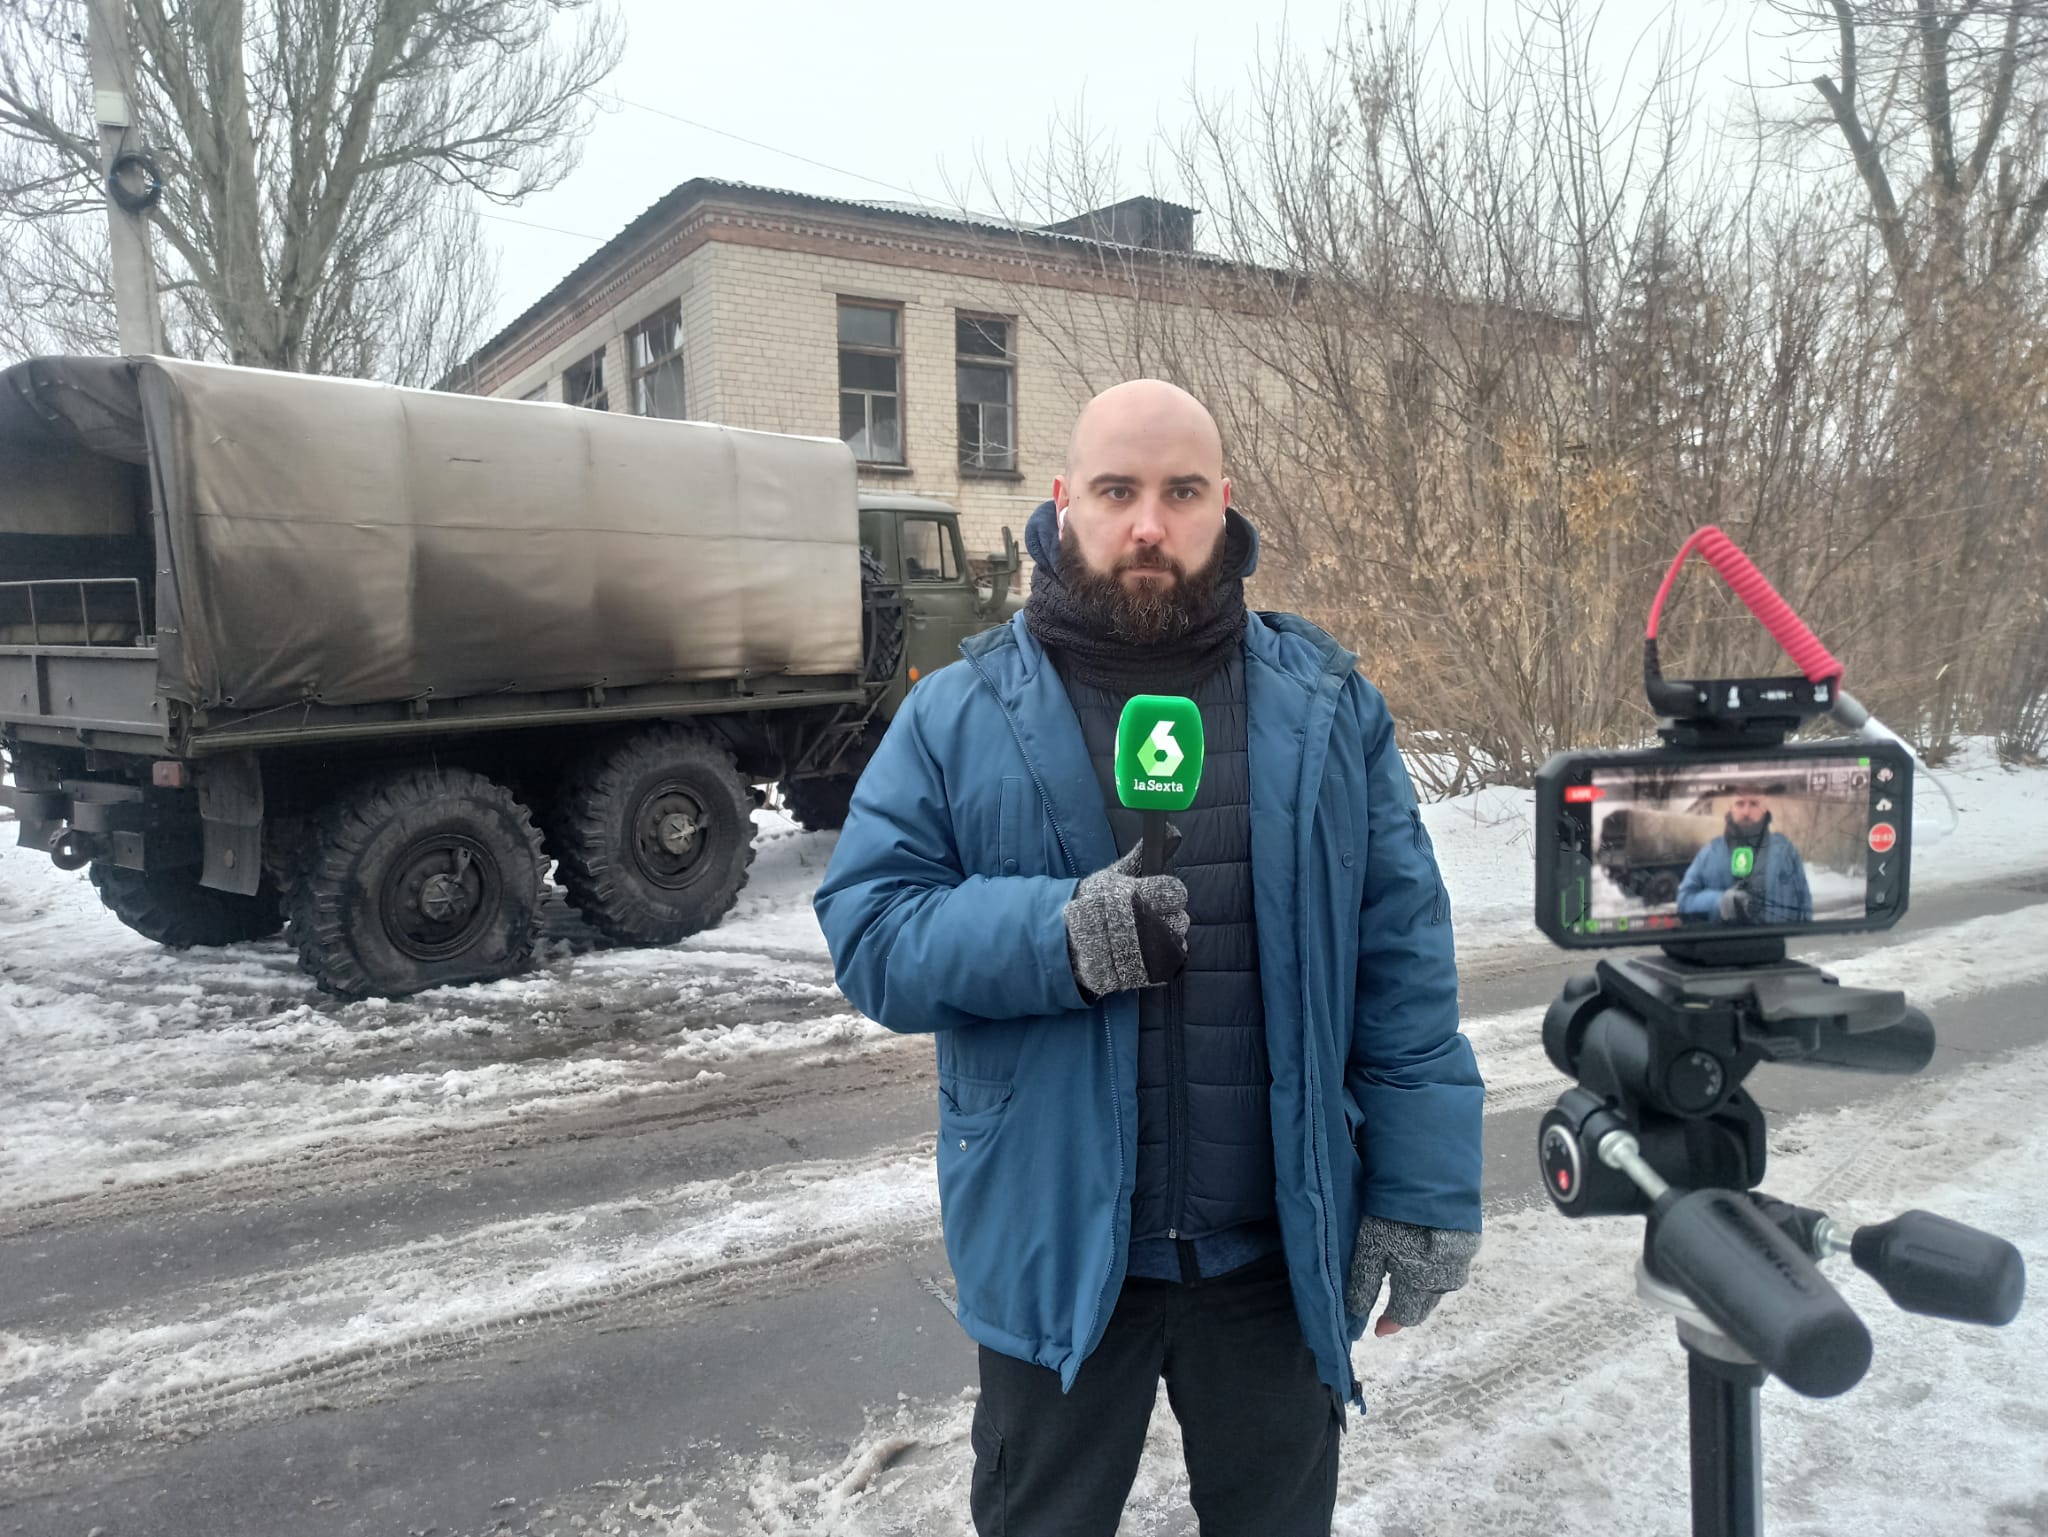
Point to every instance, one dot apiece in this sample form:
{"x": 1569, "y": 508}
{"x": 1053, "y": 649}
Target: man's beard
{"x": 1149, "y": 612}
{"x": 1747, "y": 832}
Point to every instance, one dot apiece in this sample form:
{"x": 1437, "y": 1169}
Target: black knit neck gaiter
{"x": 1078, "y": 616}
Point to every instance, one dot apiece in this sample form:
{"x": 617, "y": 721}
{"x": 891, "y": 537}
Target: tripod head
{"x": 1660, "y": 1047}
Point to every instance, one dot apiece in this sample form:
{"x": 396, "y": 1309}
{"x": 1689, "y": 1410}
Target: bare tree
{"x": 318, "y": 159}
{"x": 1487, "y": 342}
{"x": 1942, "y": 109}
{"x": 1940, "y": 105}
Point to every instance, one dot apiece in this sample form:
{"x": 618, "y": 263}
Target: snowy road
{"x": 647, "y": 1242}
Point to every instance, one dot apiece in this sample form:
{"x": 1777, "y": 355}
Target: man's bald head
{"x": 1145, "y": 409}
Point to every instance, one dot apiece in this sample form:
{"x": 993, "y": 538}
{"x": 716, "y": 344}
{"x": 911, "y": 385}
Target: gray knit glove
{"x": 1424, "y": 1263}
{"x": 1127, "y": 930}
{"x": 1738, "y": 905}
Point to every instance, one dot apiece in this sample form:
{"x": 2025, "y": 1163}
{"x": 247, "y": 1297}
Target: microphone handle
{"x": 1152, "y": 861}
{"x": 1152, "y": 1001}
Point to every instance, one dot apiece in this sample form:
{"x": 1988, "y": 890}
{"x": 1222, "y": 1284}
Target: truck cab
{"x": 917, "y": 540}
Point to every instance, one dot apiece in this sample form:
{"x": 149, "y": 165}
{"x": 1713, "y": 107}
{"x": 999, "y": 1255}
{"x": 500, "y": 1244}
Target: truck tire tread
{"x": 338, "y": 863}
{"x": 881, "y": 634}
{"x": 172, "y": 908}
{"x": 587, "y": 833}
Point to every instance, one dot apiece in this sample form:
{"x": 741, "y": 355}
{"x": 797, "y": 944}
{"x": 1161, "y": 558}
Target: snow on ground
{"x": 410, "y": 1300}
{"x": 121, "y": 1062}
{"x": 1545, "y": 1398}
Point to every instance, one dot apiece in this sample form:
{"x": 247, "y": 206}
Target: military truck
{"x": 290, "y": 653}
{"x": 1646, "y": 852}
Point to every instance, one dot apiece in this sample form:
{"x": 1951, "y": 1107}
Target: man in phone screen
{"x": 1749, "y": 874}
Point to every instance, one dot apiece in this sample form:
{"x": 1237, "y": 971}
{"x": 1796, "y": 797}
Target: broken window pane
{"x": 659, "y": 391}
{"x": 583, "y": 383}
{"x": 886, "y": 429}
{"x": 655, "y": 347}
{"x": 853, "y": 422}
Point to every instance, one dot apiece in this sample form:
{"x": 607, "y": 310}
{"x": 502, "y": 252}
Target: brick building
{"x": 941, "y": 348}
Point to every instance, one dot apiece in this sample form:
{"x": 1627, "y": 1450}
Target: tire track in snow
{"x": 419, "y": 1154}
{"x": 266, "y": 1346}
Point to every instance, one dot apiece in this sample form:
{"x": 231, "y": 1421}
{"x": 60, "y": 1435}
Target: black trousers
{"x": 1261, "y": 1431}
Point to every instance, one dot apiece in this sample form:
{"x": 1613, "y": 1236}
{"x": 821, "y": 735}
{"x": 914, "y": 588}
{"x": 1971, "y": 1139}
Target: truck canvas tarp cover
{"x": 355, "y": 543}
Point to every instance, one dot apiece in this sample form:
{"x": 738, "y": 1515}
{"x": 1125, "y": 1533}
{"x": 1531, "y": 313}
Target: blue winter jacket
{"x": 944, "y": 907}
{"x": 1785, "y": 897}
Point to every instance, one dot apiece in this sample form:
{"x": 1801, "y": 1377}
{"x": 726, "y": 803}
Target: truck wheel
{"x": 172, "y": 908}
{"x": 820, "y": 805}
{"x": 428, "y": 878}
{"x": 881, "y": 634}
{"x": 654, "y": 836}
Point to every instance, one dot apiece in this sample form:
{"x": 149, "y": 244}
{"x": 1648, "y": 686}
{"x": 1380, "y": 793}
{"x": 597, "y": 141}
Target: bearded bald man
{"x": 1214, "y": 1199}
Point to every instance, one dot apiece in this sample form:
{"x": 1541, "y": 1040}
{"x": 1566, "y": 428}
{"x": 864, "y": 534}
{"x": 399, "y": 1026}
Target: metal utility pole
{"x": 131, "y": 182}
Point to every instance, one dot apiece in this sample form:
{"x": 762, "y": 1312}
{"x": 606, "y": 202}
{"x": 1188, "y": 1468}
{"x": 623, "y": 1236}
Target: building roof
{"x": 1171, "y": 217}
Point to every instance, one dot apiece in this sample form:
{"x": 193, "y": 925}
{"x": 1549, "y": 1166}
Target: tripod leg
{"x": 1727, "y": 1447}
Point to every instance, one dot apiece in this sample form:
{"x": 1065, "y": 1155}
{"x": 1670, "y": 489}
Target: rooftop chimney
{"x": 1147, "y": 222}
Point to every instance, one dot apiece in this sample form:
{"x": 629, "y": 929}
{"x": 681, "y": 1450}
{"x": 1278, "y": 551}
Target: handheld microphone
{"x": 1160, "y": 748}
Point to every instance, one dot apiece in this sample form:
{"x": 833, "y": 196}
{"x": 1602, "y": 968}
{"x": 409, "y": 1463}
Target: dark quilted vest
{"x": 1205, "y": 1131}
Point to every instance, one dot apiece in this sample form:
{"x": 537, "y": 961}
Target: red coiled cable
{"x": 1761, "y": 598}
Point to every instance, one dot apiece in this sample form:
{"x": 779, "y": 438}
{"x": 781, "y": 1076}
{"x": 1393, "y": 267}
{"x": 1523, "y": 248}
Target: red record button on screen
{"x": 1882, "y": 836}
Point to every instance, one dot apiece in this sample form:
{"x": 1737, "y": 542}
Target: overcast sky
{"x": 901, "y": 101}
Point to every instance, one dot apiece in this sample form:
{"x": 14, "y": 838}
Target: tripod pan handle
{"x": 1943, "y": 1269}
{"x": 1759, "y": 1290}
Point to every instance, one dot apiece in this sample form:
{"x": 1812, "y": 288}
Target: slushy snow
{"x": 1543, "y": 1398}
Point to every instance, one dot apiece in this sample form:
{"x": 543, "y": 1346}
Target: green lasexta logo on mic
{"x": 1159, "y": 754}
{"x": 1741, "y": 860}
{"x": 1159, "y": 751}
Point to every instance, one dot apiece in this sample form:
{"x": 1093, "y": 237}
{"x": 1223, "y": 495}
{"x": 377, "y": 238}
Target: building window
{"x": 538, "y": 392}
{"x": 928, "y": 552}
{"x": 655, "y": 347}
{"x": 583, "y": 382}
{"x": 871, "y": 381}
{"x": 987, "y": 373}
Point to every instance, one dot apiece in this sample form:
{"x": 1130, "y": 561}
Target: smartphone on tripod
{"x": 1694, "y": 845}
